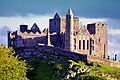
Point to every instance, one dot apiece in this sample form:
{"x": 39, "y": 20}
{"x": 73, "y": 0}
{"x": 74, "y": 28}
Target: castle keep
{"x": 64, "y": 33}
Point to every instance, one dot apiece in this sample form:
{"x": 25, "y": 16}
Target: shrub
{"x": 57, "y": 67}
{"x": 11, "y": 68}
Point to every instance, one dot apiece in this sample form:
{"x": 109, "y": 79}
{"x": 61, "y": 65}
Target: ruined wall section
{"x": 25, "y": 39}
{"x": 54, "y": 25}
{"x": 99, "y": 33}
{"x": 101, "y": 40}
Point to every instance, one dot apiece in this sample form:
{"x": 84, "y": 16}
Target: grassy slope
{"x": 98, "y": 69}
{"x": 106, "y": 70}
{"x": 42, "y": 71}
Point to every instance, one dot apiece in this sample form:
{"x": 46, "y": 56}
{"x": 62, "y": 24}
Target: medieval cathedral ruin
{"x": 64, "y": 33}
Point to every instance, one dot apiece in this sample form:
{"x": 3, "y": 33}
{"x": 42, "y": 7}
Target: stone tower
{"x": 69, "y": 41}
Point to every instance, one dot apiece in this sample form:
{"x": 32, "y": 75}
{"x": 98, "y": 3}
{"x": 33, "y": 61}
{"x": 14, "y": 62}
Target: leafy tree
{"x": 11, "y": 68}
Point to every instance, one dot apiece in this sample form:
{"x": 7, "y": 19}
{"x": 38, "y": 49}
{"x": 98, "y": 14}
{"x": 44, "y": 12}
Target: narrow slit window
{"x": 83, "y": 44}
{"x": 79, "y": 44}
{"x": 87, "y": 44}
{"x": 99, "y": 40}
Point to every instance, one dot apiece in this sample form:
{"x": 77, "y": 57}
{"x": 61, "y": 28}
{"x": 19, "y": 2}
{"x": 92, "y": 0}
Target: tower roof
{"x": 35, "y": 28}
{"x": 57, "y": 16}
{"x": 69, "y": 12}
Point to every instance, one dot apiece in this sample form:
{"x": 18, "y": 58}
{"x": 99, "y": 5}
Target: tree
{"x": 11, "y": 68}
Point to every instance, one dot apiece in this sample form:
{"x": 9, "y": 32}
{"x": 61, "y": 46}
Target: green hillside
{"x": 71, "y": 70}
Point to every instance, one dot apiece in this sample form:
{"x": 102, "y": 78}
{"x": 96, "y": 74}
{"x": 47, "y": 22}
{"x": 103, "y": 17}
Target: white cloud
{"x": 114, "y": 31}
{"x": 86, "y": 21}
{"x": 14, "y": 21}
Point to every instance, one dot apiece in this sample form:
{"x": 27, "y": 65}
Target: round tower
{"x": 69, "y": 41}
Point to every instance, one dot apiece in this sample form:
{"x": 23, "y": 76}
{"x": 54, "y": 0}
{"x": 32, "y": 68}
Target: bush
{"x": 11, "y": 68}
{"x": 57, "y": 67}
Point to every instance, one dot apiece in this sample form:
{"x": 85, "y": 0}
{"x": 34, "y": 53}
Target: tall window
{"x": 75, "y": 44}
{"x": 99, "y": 40}
{"x": 87, "y": 44}
{"x": 83, "y": 44}
{"x": 74, "y": 41}
{"x": 79, "y": 44}
{"x": 74, "y": 47}
{"x": 104, "y": 52}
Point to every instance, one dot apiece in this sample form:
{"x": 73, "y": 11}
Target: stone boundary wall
{"x": 49, "y": 52}
{"x": 57, "y": 54}
{"x": 104, "y": 61}
{"x": 67, "y": 54}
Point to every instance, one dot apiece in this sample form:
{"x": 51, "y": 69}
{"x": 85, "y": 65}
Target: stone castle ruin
{"x": 64, "y": 33}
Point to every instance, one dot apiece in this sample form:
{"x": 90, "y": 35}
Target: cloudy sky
{"x": 16, "y": 12}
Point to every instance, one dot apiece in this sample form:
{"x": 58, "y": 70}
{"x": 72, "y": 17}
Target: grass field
{"x": 42, "y": 71}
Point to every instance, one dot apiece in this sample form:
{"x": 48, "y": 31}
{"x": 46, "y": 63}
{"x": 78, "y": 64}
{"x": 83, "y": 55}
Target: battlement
{"x": 26, "y": 34}
{"x": 34, "y": 28}
{"x": 101, "y": 24}
{"x": 76, "y": 17}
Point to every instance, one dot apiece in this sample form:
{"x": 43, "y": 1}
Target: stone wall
{"x": 50, "y": 53}
{"x": 57, "y": 54}
{"x": 104, "y": 61}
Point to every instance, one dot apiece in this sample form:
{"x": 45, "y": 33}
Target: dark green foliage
{"x": 46, "y": 70}
{"x": 11, "y": 68}
{"x": 57, "y": 66}
{"x": 42, "y": 70}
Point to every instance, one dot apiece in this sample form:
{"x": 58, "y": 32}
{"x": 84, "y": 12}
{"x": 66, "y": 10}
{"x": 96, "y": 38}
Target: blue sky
{"x": 16, "y": 12}
{"x": 83, "y": 8}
